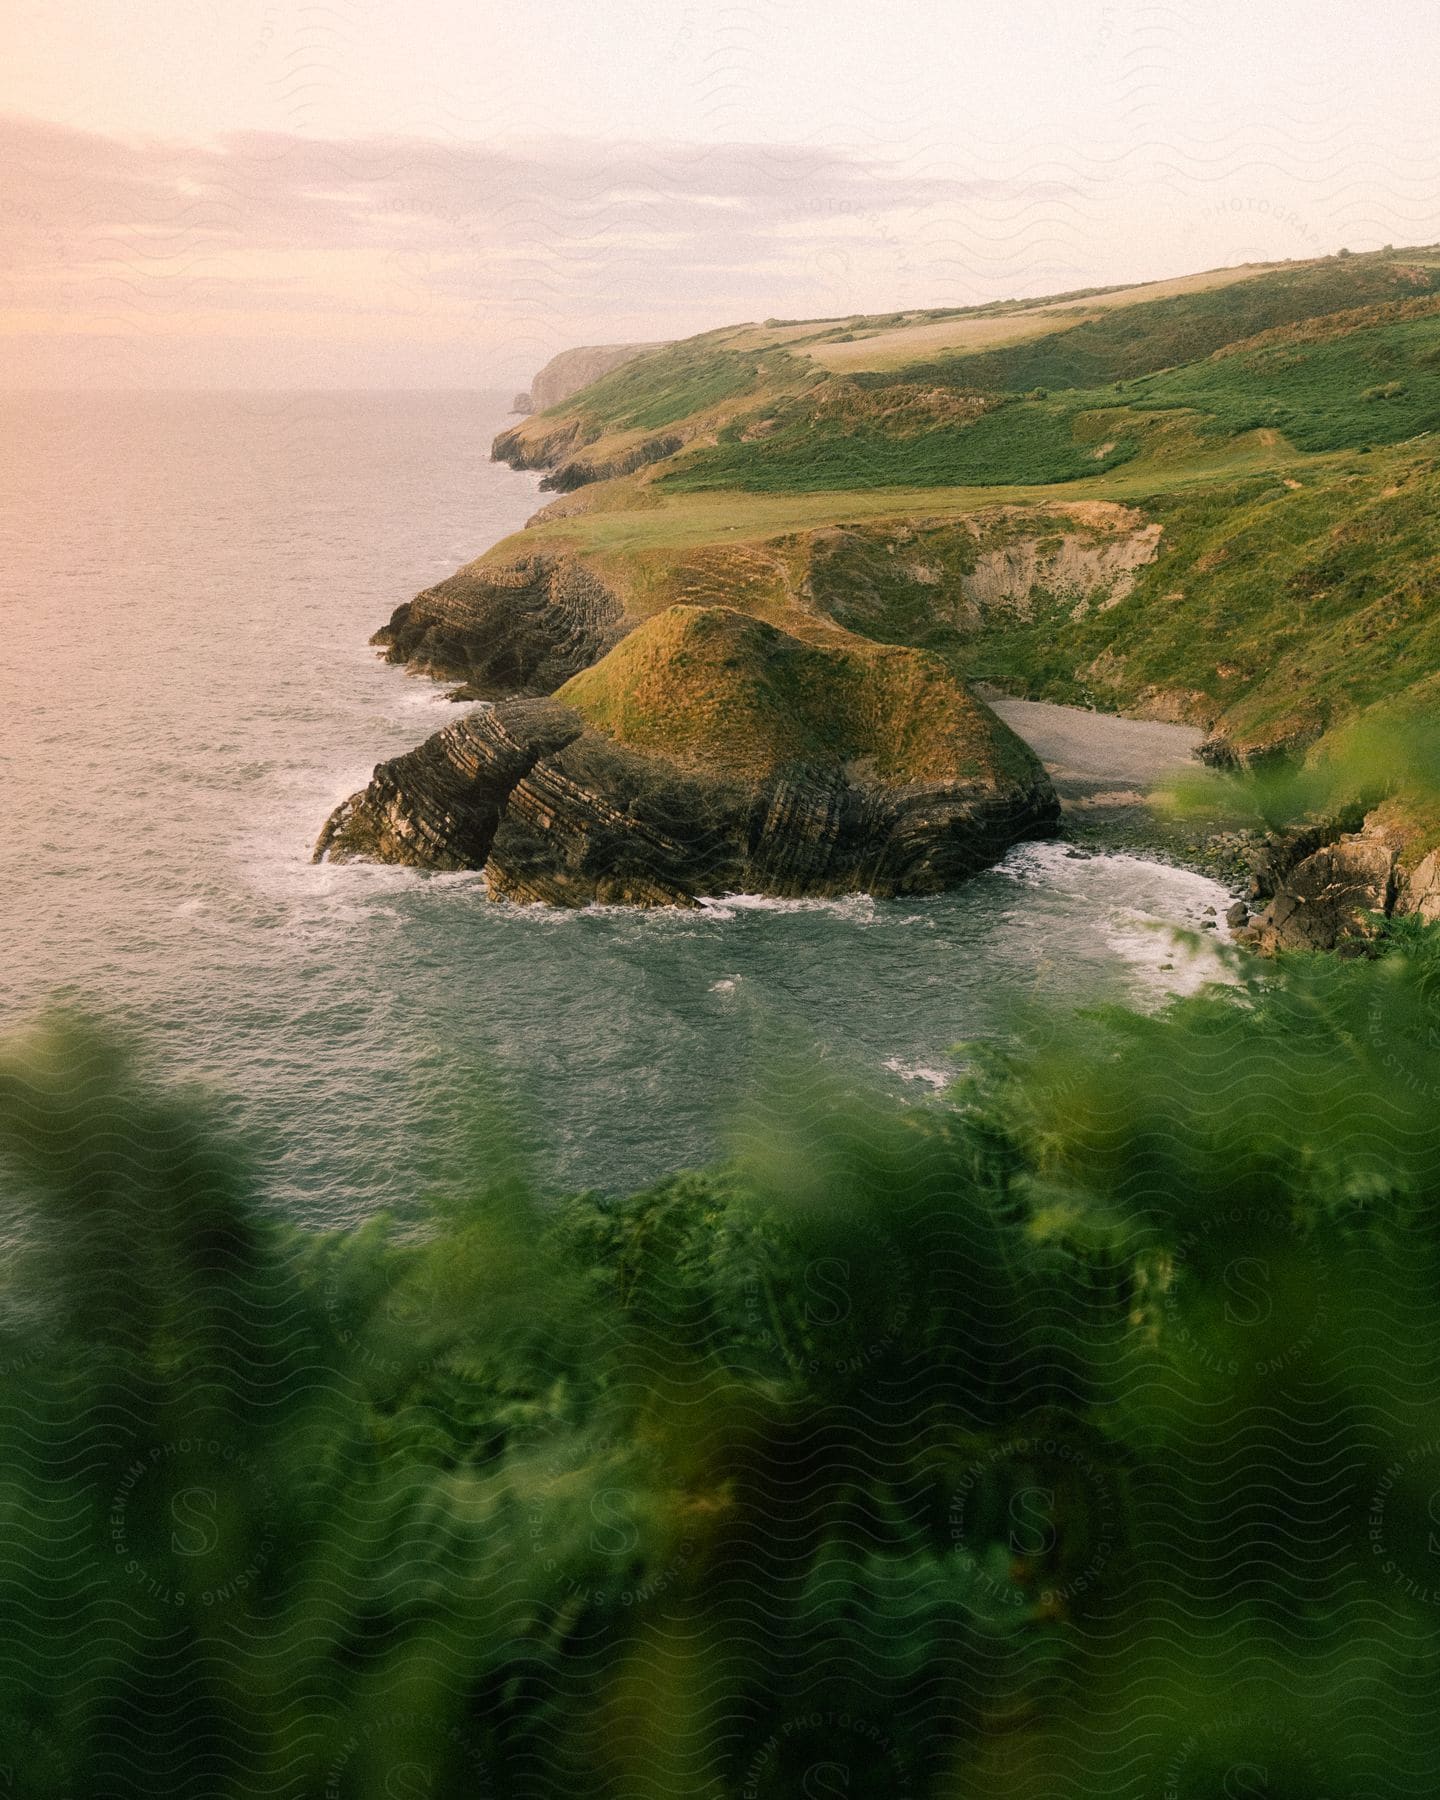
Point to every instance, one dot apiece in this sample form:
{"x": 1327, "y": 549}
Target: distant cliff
{"x": 572, "y": 370}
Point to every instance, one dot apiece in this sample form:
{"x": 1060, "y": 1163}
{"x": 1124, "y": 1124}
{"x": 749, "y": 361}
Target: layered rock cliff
{"x": 712, "y": 753}
{"x": 564, "y": 450}
{"x": 439, "y": 806}
{"x": 517, "y": 627}
{"x": 511, "y": 623}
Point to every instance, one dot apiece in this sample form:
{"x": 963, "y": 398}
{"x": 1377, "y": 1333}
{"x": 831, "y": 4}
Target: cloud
{"x": 455, "y": 241}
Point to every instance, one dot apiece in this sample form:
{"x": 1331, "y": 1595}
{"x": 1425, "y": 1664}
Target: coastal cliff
{"x": 536, "y": 610}
{"x": 1211, "y": 502}
{"x": 708, "y": 753}
{"x": 768, "y": 729}
{"x": 572, "y": 370}
{"x": 515, "y": 627}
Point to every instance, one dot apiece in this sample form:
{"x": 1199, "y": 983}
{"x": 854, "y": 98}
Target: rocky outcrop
{"x": 1076, "y": 565}
{"x": 599, "y": 823}
{"x": 556, "y": 813}
{"x": 532, "y": 446}
{"x": 1420, "y": 889}
{"x": 559, "y": 445}
{"x": 1329, "y": 885}
{"x": 522, "y": 627}
{"x": 1327, "y": 889}
{"x": 563, "y": 451}
{"x": 1329, "y": 898}
{"x": 990, "y": 568}
{"x": 439, "y": 806}
{"x": 579, "y": 471}
{"x": 760, "y": 764}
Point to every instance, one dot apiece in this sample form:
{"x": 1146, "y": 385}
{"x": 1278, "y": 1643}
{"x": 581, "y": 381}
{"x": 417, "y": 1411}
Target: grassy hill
{"x": 710, "y": 687}
{"x": 1274, "y": 425}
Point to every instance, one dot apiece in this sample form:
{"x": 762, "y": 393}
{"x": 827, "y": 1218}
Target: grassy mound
{"x": 712, "y": 688}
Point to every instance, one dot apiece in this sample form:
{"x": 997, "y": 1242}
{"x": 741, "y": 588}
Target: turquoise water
{"x": 188, "y": 583}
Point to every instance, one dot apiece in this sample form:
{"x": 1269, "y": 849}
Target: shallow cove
{"x": 188, "y": 585}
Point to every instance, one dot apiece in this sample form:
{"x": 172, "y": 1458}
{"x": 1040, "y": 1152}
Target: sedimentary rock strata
{"x": 807, "y": 797}
{"x": 510, "y": 628}
{"x": 440, "y": 805}
{"x": 555, "y": 813}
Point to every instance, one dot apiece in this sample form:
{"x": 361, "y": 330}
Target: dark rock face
{"x": 522, "y": 403}
{"x": 580, "y": 471}
{"x": 562, "y": 452}
{"x": 524, "y": 448}
{"x": 1282, "y": 852}
{"x": 524, "y": 628}
{"x": 557, "y": 813}
{"x": 439, "y": 806}
{"x": 1323, "y": 897}
{"x": 1321, "y": 887}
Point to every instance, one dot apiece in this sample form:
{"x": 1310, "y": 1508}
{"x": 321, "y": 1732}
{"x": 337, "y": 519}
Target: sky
{"x": 442, "y": 194}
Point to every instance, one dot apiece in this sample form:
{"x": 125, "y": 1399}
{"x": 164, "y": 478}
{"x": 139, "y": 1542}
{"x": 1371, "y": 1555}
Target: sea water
{"x": 188, "y": 583}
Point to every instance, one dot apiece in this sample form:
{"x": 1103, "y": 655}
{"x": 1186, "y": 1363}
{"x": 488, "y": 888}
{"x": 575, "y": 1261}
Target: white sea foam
{"x": 854, "y": 909}
{"x": 934, "y": 1078}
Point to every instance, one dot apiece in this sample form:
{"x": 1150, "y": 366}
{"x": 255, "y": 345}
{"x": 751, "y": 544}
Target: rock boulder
{"x": 712, "y": 753}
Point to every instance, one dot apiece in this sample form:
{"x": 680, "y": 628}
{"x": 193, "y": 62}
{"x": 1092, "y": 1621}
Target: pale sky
{"x": 358, "y": 193}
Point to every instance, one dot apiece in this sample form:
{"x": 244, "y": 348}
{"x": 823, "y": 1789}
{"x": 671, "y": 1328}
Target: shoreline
{"x": 1103, "y": 767}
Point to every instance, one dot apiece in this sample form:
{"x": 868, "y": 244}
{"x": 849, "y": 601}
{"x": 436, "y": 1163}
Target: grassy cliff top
{"x": 710, "y": 687}
{"x": 1123, "y": 395}
{"x": 745, "y": 380}
{"x": 1275, "y": 427}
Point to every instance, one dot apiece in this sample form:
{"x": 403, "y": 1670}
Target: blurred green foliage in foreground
{"x": 1079, "y": 1439}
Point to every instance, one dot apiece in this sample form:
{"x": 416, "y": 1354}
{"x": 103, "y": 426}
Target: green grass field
{"x": 1377, "y": 386}
{"x": 1275, "y": 424}
{"x": 1030, "y": 443}
{"x": 1126, "y": 342}
{"x": 674, "y": 383}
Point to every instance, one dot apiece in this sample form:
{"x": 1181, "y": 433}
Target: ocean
{"x": 188, "y": 583}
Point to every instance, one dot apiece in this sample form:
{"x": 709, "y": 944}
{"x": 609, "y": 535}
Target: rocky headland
{"x": 748, "y": 645}
{"x": 1321, "y": 887}
{"x": 710, "y": 752}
